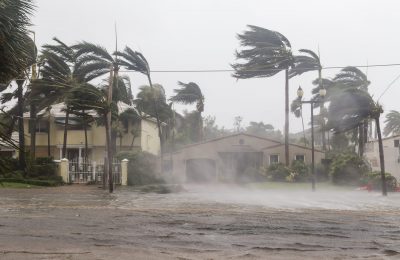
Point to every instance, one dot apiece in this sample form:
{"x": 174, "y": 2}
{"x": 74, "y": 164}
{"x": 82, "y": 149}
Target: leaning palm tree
{"x": 392, "y": 123}
{"x": 190, "y": 93}
{"x": 134, "y": 60}
{"x": 348, "y": 110}
{"x": 265, "y": 54}
{"x": 309, "y": 61}
{"x": 354, "y": 78}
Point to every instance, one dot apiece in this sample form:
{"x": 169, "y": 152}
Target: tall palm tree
{"x": 348, "y": 110}
{"x": 353, "y": 78}
{"x": 309, "y": 61}
{"x": 134, "y": 60}
{"x": 95, "y": 61}
{"x": 392, "y": 123}
{"x": 59, "y": 74}
{"x": 190, "y": 93}
{"x": 265, "y": 54}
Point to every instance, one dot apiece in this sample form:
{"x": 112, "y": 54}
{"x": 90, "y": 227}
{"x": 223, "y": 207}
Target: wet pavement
{"x": 219, "y": 222}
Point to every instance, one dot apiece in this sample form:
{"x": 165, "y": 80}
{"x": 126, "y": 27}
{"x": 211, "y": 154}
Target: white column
{"x": 64, "y": 170}
{"x": 124, "y": 172}
{"x": 61, "y": 153}
{"x": 80, "y": 157}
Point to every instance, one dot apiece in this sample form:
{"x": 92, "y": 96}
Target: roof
{"x": 386, "y": 138}
{"x": 277, "y": 143}
{"x": 58, "y": 110}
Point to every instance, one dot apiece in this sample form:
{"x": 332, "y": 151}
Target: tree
{"x": 348, "y": 110}
{"x": 188, "y": 94}
{"x": 134, "y": 60}
{"x": 392, "y": 123}
{"x": 353, "y": 78}
{"x": 265, "y": 54}
{"x": 310, "y": 61}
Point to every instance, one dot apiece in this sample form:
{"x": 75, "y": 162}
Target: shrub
{"x": 43, "y": 168}
{"x": 299, "y": 172}
{"x": 251, "y": 174}
{"x": 141, "y": 168}
{"x": 347, "y": 168}
{"x": 374, "y": 179}
{"x": 8, "y": 165}
{"x": 278, "y": 172}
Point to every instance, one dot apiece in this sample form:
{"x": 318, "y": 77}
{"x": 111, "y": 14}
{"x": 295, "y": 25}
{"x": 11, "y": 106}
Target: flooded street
{"x": 218, "y": 222}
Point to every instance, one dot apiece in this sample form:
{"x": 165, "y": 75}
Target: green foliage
{"x": 7, "y": 165}
{"x": 299, "y": 172}
{"x": 141, "y": 168}
{"x": 45, "y": 183}
{"x": 374, "y": 179}
{"x": 43, "y": 168}
{"x": 278, "y": 172}
{"x": 347, "y": 168}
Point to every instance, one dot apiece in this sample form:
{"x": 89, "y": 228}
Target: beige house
{"x": 50, "y": 130}
{"x": 391, "y": 152}
{"x": 226, "y": 158}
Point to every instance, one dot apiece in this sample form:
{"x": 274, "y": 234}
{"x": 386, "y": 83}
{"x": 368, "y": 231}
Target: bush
{"x": 8, "y": 165}
{"x": 347, "y": 168}
{"x": 299, "y": 172}
{"x": 43, "y": 168}
{"x": 141, "y": 168}
{"x": 278, "y": 172}
{"x": 374, "y": 179}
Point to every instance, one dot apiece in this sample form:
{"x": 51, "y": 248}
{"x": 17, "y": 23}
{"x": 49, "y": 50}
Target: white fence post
{"x": 64, "y": 170}
{"x": 124, "y": 172}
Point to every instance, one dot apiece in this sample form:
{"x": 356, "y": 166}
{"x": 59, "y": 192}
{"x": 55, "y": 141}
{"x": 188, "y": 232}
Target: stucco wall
{"x": 150, "y": 141}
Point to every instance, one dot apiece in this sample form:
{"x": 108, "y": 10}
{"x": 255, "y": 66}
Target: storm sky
{"x": 201, "y": 35}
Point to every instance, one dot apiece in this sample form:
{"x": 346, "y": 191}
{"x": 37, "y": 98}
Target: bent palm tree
{"x": 353, "y": 78}
{"x": 190, "y": 93}
{"x": 266, "y": 53}
{"x": 351, "y": 108}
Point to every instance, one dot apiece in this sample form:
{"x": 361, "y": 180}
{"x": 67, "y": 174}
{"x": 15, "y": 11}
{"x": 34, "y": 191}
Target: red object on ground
{"x": 397, "y": 189}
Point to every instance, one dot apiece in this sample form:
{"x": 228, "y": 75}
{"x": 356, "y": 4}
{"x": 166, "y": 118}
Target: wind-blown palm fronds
{"x": 392, "y": 122}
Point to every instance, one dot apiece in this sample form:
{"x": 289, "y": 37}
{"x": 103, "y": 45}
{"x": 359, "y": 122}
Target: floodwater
{"x": 214, "y": 222}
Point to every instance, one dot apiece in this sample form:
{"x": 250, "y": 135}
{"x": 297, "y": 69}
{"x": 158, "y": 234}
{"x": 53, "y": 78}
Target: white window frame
{"x": 269, "y": 158}
{"x": 304, "y": 156}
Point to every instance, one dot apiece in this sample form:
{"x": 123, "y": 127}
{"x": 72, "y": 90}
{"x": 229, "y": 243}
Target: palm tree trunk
{"x": 64, "y": 149}
{"x": 48, "y": 136}
{"x": 158, "y": 126}
{"x": 113, "y": 78}
{"x": 287, "y": 117}
{"x": 21, "y": 134}
{"x": 32, "y": 130}
{"x": 361, "y": 140}
{"x": 321, "y": 109}
{"x": 200, "y": 127}
{"x": 86, "y": 140}
{"x": 381, "y": 157}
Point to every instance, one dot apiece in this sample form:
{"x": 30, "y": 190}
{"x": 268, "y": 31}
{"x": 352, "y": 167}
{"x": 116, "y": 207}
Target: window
{"x": 299, "y": 157}
{"x": 42, "y": 126}
{"x": 273, "y": 158}
{"x": 396, "y": 143}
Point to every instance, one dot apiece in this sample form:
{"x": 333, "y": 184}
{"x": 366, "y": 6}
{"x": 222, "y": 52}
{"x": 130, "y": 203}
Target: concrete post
{"x": 64, "y": 170}
{"x": 124, "y": 172}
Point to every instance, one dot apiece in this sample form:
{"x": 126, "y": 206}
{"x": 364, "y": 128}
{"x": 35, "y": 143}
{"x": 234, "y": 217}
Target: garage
{"x": 201, "y": 171}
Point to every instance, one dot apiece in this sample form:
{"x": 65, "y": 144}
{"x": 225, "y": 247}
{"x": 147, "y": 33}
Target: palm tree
{"x": 59, "y": 74}
{"x": 310, "y": 61}
{"x": 190, "y": 93}
{"x": 266, "y": 53}
{"x": 392, "y": 123}
{"x": 353, "y": 78}
{"x": 351, "y": 108}
{"x": 134, "y": 60}
{"x": 95, "y": 61}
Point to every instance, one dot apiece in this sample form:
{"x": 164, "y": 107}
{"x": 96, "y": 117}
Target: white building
{"x": 391, "y": 151}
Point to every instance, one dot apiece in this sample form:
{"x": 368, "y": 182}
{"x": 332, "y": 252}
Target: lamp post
{"x": 322, "y": 93}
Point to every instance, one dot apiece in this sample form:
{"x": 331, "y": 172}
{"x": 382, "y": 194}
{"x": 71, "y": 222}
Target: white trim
{"x": 301, "y": 154}
{"x": 269, "y": 158}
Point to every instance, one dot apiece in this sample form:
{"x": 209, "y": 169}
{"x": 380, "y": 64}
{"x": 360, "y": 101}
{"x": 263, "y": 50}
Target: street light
{"x": 322, "y": 93}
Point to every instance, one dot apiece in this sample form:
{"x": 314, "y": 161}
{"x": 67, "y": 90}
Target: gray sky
{"x": 201, "y": 34}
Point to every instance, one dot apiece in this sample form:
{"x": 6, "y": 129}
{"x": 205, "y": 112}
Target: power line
{"x": 389, "y": 86}
{"x": 261, "y": 70}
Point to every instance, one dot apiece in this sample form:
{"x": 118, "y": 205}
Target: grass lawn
{"x": 297, "y": 186}
{"x": 16, "y": 185}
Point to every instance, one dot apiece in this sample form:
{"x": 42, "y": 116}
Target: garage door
{"x": 200, "y": 170}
